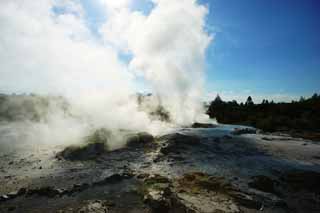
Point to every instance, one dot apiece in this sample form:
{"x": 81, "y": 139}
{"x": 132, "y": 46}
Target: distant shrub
{"x": 269, "y": 116}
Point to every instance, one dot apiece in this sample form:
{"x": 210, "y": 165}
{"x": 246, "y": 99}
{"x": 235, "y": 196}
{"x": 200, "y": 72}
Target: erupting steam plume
{"x": 168, "y": 48}
{"x": 47, "y": 47}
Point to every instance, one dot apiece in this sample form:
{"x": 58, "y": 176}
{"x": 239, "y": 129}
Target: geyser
{"x": 48, "y": 47}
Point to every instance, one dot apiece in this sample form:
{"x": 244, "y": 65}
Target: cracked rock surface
{"x": 203, "y": 169}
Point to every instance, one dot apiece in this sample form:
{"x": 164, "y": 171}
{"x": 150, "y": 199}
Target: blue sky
{"x": 268, "y": 49}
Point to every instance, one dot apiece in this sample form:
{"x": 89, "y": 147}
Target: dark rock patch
{"x": 114, "y": 179}
{"x": 13, "y": 195}
{"x": 45, "y": 191}
{"x": 177, "y": 142}
{"x": 159, "y": 196}
{"x": 198, "y": 181}
{"x": 203, "y": 125}
{"x": 302, "y": 181}
{"x": 224, "y": 196}
{"x": 85, "y": 152}
{"x": 93, "y": 146}
{"x": 52, "y": 192}
{"x": 241, "y": 131}
{"x": 139, "y": 139}
{"x": 265, "y": 184}
{"x": 4, "y": 198}
{"x": 267, "y": 139}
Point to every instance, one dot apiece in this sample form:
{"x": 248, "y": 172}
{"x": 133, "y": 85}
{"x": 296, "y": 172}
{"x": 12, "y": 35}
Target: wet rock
{"x": 114, "y": 179}
{"x": 78, "y": 188}
{"x": 198, "y": 181}
{"x": 156, "y": 179}
{"x": 4, "y": 198}
{"x": 204, "y": 125}
{"x": 204, "y": 193}
{"x": 244, "y": 200}
{"x": 13, "y": 195}
{"x": 142, "y": 176}
{"x": 22, "y": 191}
{"x": 60, "y": 191}
{"x": 241, "y": 131}
{"x": 96, "y": 206}
{"x": 93, "y": 146}
{"x": 159, "y": 196}
{"x": 158, "y": 200}
{"x": 177, "y": 142}
{"x": 194, "y": 192}
{"x": 85, "y": 152}
{"x": 139, "y": 139}
{"x": 226, "y": 137}
{"x": 267, "y": 139}
{"x": 11, "y": 208}
{"x": 265, "y": 184}
{"x": 302, "y": 181}
{"x": 47, "y": 191}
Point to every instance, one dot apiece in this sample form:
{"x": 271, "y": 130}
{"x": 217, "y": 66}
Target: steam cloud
{"x": 46, "y": 47}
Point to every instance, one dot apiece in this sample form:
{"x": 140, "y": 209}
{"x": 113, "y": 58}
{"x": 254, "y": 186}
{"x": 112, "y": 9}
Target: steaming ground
{"x": 216, "y": 169}
{"x": 84, "y": 145}
{"x": 34, "y": 120}
{"x": 55, "y": 159}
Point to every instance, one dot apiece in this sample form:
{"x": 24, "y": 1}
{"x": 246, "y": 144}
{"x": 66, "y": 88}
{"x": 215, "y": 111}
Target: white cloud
{"x": 116, "y": 4}
{"x": 45, "y": 52}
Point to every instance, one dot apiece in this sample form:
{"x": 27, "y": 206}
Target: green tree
{"x": 249, "y": 101}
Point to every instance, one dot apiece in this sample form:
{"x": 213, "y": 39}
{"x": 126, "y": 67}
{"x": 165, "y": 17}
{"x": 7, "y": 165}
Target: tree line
{"x": 302, "y": 115}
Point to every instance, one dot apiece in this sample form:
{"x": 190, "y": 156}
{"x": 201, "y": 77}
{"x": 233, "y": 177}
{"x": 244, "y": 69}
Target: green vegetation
{"x": 297, "y": 117}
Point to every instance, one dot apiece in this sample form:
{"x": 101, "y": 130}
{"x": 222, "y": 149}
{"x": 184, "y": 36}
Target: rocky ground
{"x": 207, "y": 168}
